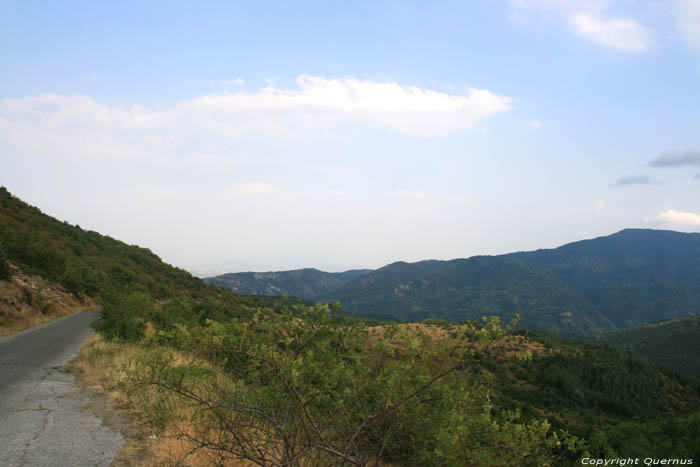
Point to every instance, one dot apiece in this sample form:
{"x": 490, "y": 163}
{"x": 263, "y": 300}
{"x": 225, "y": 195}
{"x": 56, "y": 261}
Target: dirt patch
{"x": 27, "y": 301}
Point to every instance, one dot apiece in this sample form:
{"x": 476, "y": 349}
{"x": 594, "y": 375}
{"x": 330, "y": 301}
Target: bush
{"x": 326, "y": 394}
{"x": 121, "y": 316}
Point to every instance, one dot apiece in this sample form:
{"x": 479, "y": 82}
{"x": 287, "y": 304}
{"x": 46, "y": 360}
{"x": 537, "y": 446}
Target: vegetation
{"x": 87, "y": 263}
{"x": 631, "y": 277}
{"x": 279, "y": 381}
{"x": 4, "y": 267}
{"x": 470, "y": 288}
{"x": 674, "y": 343}
{"x": 583, "y": 288}
{"x": 304, "y": 283}
{"x": 619, "y": 401}
{"x": 298, "y": 387}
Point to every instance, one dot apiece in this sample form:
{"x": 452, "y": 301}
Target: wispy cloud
{"x": 688, "y": 21}
{"x": 680, "y": 218}
{"x": 623, "y": 34}
{"x": 590, "y": 19}
{"x": 676, "y": 158}
{"x": 316, "y": 107}
{"x": 634, "y": 180}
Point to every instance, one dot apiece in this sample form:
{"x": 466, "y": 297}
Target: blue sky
{"x": 230, "y": 136}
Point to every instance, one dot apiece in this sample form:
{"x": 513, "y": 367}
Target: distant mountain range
{"x": 304, "y": 283}
{"x": 587, "y": 287}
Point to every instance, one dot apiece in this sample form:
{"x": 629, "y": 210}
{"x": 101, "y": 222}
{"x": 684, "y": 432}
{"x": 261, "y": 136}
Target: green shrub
{"x": 121, "y": 317}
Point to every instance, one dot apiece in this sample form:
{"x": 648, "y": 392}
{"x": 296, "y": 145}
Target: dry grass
{"x": 103, "y": 367}
{"x": 27, "y": 301}
{"x": 435, "y": 333}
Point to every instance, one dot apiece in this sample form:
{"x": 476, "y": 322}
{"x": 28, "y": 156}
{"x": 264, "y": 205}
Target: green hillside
{"x": 618, "y": 400}
{"x": 472, "y": 288}
{"x": 86, "y": 262}
{"x": 585, "y": 287}
{"x": 674, "y": 343}
{"x": 633, "y": 276}
{"x": 327, "y": 388}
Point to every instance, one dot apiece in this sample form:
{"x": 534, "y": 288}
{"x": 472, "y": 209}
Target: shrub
{"x": 121, "y": 316}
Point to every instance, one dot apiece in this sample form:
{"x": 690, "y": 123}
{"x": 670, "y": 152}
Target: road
{"x": 42, "y": 421}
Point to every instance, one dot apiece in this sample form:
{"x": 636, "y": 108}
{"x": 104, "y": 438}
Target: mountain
{"x": 586, "y": 287}
{"x": 618, "y": 402}
{"x": 305, "y": 283}
{"x": 674, "y": 343}
{"x": 471, "y": 288}
{"x": 633, "y": 276}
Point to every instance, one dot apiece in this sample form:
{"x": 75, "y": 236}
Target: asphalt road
{"x": 42, "y": 416}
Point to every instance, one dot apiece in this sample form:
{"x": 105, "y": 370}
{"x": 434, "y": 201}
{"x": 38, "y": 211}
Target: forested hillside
{"x": 282, "y": 382}
{"x": 633, "y": 276}
{"x": 674, "y": 343}
{"x": 472, "y": 288}
{"x": 585, "y": 287}
{"x": 305, "y": 283}
{"x": 88, "y": 264}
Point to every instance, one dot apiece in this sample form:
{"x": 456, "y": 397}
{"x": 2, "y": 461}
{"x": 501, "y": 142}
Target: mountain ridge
{"x": 303, "y": 283}
{"x": 587, "y": 287}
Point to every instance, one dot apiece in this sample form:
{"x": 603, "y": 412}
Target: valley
{"x": 274, "y": 380}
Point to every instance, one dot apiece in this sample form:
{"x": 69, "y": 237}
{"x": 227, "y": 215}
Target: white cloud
{"x": 534, "y": 124}
{"x": 680, "y": 218}
{"x": 317, "y": 107}
{"x": 590, "y": 19}
{"x": 688, "y": 21}
{"x": 622, "y": 34}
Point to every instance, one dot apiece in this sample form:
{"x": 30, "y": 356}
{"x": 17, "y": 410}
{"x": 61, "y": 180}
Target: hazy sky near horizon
{"x": 230, "y": 136}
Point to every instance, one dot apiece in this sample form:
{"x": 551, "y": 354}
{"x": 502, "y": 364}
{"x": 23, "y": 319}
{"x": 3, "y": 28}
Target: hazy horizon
{"x": 277, "y": 136}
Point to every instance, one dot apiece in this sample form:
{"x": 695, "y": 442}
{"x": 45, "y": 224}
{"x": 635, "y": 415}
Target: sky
{"x": 260, "y": 135}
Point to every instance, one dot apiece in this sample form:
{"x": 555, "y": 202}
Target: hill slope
{"x": 305, "y": 283}
{"x": 585, "y": 287}
{"x": 86, "y": 263}
{"x": 591, "y": 390}
{"x": 633, "y": 276}
{"x": 472, "y": 288}
{"x": 674, "y": 343}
